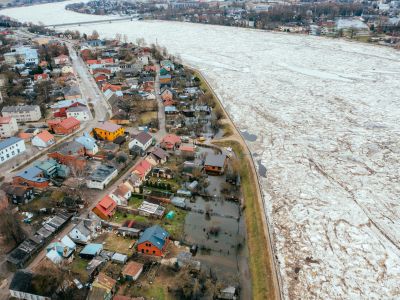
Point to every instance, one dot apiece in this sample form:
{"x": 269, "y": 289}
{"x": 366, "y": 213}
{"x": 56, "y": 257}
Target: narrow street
{"x": 161, "y": 113}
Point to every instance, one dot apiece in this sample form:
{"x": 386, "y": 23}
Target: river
{"x": 325, "y": 114}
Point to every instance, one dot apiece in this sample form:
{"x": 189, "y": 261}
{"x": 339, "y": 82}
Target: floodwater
{"x": 326, "y": 114}
{"x": 248, "y": 136}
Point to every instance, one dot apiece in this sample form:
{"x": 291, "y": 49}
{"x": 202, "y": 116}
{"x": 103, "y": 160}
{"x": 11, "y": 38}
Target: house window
{"x": 154, "y": 252}
{"x": 147, "y": 250}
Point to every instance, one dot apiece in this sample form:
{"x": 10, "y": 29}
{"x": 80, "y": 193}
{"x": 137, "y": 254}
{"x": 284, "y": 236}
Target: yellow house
{"x": 108, "y": 131}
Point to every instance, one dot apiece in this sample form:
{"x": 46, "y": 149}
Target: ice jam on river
{"x": 326, "y": 117}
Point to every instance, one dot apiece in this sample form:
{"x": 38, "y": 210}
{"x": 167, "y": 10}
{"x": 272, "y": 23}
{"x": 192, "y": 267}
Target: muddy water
{"x": 225, "y": 254}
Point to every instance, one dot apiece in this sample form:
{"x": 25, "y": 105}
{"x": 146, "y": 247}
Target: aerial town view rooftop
{"x": 199, "y": 149}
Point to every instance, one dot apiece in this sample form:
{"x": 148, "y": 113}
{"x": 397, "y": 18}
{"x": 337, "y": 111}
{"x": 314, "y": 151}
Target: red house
{"x": 66, "y": 126}
{"x": 60, "y": 108}
{"x": 70, "y": 154}
{"x": 40, "y": 77}
{"x": 153, "y": 241}
{"x": 108, "y": 86}
{"x": 106, "y": 208}
{"x": 170, "y": 142}
{"x": 142, "y": 169}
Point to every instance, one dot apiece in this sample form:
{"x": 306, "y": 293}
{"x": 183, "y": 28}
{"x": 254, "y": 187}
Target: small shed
{"x": 179, "y": 202}
{"x": 184, "y": 193}
{"x": 119, "y": 258}
{"x": 132, "y": 271}
{"x": 170, "y": 215}
{"x": 91, "y": 250}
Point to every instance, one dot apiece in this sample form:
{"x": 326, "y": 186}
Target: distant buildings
{"x": 22, "y": 113}
{"x": 25, "y": 55}
{"x": 10, "y": 148}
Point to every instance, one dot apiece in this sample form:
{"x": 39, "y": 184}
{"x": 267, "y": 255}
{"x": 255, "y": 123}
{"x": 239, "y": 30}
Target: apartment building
{"x": 8, "y": 126}
{"x": 10, "y": 148}
{"x": 22, "y": 113}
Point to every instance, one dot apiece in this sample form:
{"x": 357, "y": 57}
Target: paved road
{"x": 161, "y": 113}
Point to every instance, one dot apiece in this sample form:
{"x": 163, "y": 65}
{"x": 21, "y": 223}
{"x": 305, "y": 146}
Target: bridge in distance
{"x": 93, "y": 22}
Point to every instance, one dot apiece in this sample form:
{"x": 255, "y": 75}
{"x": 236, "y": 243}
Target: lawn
{"x": 146, "y": 117}
{"x": 175, "y": 227}
{"x": 157, "y": 290}
{"x": 120, "y": 217}
{"x": 259, "y": 254}
{"x": 135, "y": 201}
{"x": 118, "y": 244}
{"x": 78, "y": 267}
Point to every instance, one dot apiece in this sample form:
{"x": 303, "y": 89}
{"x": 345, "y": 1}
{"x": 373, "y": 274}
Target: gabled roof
{"x": 69, "y": 123}
{"x": 68, "y": 103}
{"x": 159, "y": 153}
{"x": 91, "y": 249}
{"x": 142, "y": 168}
{"x": 155, "y": 235}
{"x": 171, "y": 139}
{"x": 132, "y": 268}
{"x": 45, "y": 136}
{"x": 87, "y": 141}
{"x": 215, "y": 160}
{"x": 106, "y": 205}
{"x": 143, "y": 137}
{"x": 68, "y": 148}
{"x": 32, "y": 174}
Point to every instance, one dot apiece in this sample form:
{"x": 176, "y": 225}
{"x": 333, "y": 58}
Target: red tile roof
{"x": 171, "y": 140}
{"x": 45, "y": 136}
{"x": 69, "y": 123}
{"x": 106, "y": 205}
{"x": 132, "y": 269}
{"x": 92, "y": 61}
{"x": 186, "y": 148}
{"x": 142, "y": 168}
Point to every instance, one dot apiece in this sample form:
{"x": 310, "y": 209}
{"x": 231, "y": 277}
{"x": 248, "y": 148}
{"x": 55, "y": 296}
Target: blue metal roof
{"x": 8, "y": 142}
{"x": 91, "y": 249}
{"x": 32, "y": 174}
{"x": 155, "y": 235}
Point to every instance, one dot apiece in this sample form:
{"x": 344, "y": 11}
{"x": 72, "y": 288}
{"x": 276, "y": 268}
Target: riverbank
{"x": 264, "y": 273}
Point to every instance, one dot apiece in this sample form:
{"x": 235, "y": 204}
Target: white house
{"x": 101, "y": 177}
{"x": 43, "y": 139}
{"x": 80, "y": 113}
{"x": 121, "y": 194}
{"x": 142, "y": 140}
{"x": 10, "y": 148}
{"x": 80, "y": 233}
{"x": 8, "y": 126}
